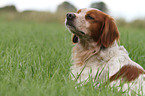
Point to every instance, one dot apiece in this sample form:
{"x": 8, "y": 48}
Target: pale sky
{"x": 128, "y": 9}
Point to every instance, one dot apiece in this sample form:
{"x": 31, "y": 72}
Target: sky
{"x": 128, "y": 9}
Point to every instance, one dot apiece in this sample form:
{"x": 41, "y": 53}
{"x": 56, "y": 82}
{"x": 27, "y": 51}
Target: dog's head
{"x": 93, "y": 24}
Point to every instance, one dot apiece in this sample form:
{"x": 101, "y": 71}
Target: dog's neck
{"x": 86, "y": 43}
{"x": 84, "y": 51}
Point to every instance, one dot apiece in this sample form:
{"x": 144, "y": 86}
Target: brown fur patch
{"x": 102, "y": 28}
{"x": 79, "y": 11}
{"x": 127, "y": 73}
{"x": 96, "y": 24}
{"x": 110, "y": 32}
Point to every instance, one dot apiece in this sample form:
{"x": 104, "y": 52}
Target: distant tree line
{"x": 8, "y": 8}
{"x": 68, "y": 7}
{"x": 100, "y": 5}
{"x": 65, "y": 7}
{"x": 61, "y": 11}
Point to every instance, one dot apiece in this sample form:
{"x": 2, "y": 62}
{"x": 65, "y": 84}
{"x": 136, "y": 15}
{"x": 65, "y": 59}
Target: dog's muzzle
{"x": 70, "y": 24}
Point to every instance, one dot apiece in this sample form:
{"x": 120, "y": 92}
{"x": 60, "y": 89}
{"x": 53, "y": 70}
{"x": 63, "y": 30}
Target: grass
{"x": 35, "y": 59}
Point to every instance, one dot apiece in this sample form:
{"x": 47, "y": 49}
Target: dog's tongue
{"x": 75, "y": 39}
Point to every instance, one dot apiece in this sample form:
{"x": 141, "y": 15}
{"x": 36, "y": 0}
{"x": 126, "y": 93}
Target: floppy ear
{"x": 109, "y": 32}
{"x": 74, "y": 39}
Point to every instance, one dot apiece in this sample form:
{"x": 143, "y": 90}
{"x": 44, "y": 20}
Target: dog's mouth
{"x": 73, "y": 29}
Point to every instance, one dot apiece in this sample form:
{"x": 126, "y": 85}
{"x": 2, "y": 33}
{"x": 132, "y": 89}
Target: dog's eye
{"x": 89, "y": 17}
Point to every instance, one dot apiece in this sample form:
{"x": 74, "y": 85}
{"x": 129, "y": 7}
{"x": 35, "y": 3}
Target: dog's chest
{"x": 98, "y": 66}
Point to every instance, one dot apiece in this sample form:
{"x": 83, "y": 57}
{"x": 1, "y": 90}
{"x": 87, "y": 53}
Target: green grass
{"x": 35, "y": 59}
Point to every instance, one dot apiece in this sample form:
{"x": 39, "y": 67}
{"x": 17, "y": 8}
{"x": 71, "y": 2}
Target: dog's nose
{"x": 70, "y": 16}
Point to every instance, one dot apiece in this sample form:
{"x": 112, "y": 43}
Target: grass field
{"x": 35, "y": 59}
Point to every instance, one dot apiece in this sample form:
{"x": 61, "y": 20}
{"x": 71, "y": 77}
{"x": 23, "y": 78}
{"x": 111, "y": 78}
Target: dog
{"x": 96, "y": 51}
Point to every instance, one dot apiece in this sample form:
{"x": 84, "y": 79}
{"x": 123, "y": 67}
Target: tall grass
{"x": 35, "y": 59}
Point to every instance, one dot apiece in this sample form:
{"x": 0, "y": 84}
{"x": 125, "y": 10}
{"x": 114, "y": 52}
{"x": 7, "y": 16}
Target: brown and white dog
{"x": 96, "y": 51}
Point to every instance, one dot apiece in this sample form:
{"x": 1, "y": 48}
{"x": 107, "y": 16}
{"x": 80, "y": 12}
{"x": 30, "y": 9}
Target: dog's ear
{"x": 74, "y": 39}
{"x": 109, "y": 32}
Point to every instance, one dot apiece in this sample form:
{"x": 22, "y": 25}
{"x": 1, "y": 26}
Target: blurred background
{"x": 126, "y": 12}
